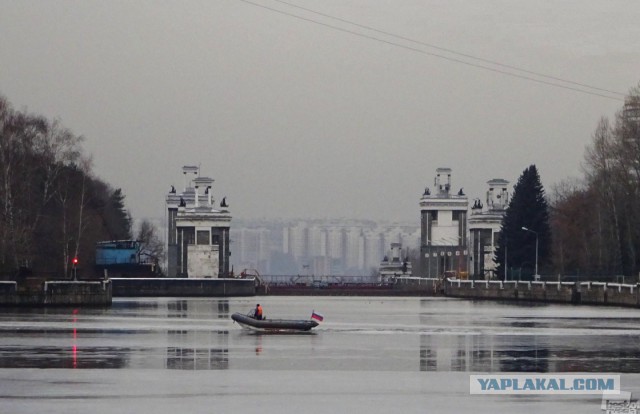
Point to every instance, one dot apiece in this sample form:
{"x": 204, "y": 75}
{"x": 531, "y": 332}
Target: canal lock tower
{"x": 484, "y": 228}
{"x": 443, "y": 229}
{"x": 197, "y": 229}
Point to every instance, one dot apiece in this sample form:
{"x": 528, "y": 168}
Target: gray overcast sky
{"x": 296, "y": 119}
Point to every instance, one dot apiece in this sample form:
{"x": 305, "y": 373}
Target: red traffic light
{"x": 74, "y": 261}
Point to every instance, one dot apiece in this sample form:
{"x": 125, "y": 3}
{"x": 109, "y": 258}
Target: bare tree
{"x": 612, "y": 171}
{"x": 51, "y": 207}
{"x": 33, "y": 152}
{"x": 152, "y": 246}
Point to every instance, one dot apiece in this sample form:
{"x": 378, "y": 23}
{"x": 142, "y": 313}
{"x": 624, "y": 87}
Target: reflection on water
{"x": 223, "y": 309}
{"x": 408, "y": 334}
{"x": 57, "y": 357}
{"x": 475, "y": 353}
{"x": 526, "y": 360}
{"x": 178, "y": 309}
{"x": 258, "y": 344}
{"x": 216, "y": 308}
{"x": 187, "y": 357}
{"x": 63, "y": 337}
{"x": 193, "y": 349}
{"x": 197, "y": 359}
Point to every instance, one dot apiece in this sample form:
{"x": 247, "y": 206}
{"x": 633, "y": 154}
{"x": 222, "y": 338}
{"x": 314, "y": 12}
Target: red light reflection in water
{"x": 74, "y": 346}
{"x": 259, "y": 345}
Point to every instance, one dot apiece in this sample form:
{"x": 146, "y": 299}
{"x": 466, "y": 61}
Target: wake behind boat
{"x": 274, "y": 325}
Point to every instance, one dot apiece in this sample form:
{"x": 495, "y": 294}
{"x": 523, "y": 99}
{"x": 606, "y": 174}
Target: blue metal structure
{"x": 117, "y": 252}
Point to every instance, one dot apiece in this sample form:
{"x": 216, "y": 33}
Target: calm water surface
{"x": 372, "y": 355}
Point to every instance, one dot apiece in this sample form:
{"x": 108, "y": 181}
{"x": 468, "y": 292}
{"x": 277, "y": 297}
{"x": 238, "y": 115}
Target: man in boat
{"x": 258, "y": 312}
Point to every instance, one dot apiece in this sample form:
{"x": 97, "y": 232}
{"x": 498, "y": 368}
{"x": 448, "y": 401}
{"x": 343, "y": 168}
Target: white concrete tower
{"x": 484, "y": 228}
{"x": 197, "y": 232}
{"x": 394, "y": 264}
{"x": 443, "y": 241}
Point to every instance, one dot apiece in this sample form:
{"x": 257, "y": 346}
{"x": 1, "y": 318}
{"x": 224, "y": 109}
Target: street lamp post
{"x": 75, "y": 268}
{"x": 506, "y": 246}
{"x": 536, "y": 233}
{"x": 429, "y": 253}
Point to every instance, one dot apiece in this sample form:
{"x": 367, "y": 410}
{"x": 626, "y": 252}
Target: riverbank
{"x": 183, "y": 287}
{"x": 586, "y": 293}
{"x": 36, "y": 292}
{"x": 405, "y": 286}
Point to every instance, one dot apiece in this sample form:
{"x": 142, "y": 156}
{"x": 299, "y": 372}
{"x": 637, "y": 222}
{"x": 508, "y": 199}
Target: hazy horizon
{"x": 313, "y": 116}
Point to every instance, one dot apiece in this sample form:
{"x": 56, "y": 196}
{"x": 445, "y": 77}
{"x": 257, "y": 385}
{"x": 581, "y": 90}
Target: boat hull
{"x": 274, "y": 325}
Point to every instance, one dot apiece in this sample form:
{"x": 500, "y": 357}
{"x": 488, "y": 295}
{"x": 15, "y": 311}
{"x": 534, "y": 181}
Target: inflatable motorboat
{"x": 274, "y": 325}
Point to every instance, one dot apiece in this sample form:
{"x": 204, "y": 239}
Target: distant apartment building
{"x": 317, "y": 242}
{"x": 333, "y": 247}
{"x": 335, "y": 243}
{"x": 295, "y": 241}
{"x": 353, "y": 252}
{"x": 251, "y": 247}
{"x": 373, "y": 248}
{"x": 410, "y": 239}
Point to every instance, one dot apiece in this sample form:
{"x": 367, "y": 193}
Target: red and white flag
{"x": 315, "y": 315}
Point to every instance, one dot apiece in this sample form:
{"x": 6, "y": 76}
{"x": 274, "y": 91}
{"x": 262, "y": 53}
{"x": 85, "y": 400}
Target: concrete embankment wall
{"x": 182, "y": 287}
{"x": 57, "y": 293}
{"x": 402, "y": 286}
{"x": 419, "y": 286}
{"x": 588, "y": 293}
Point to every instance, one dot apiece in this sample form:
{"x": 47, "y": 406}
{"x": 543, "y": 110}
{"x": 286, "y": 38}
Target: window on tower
{"x": 203, "y": 237}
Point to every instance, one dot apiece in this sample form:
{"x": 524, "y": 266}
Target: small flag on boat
{"x": 315, "y": 315}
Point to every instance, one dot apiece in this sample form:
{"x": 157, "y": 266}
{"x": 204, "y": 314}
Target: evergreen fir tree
{"x": 118, "y": 218}
{"x": 528, "y": 208}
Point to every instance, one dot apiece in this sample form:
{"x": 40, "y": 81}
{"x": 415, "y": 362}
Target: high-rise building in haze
{"x": 332, "y": 247}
